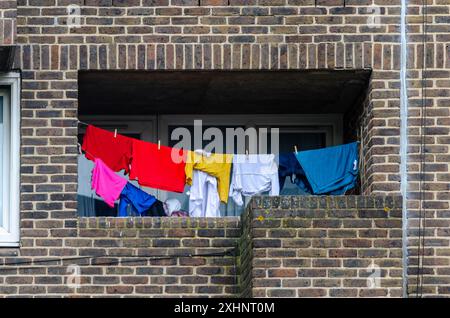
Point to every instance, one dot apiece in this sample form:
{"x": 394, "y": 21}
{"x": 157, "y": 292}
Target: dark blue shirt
{"x": 288, "y": 166}
{"x": 140, "y": 201}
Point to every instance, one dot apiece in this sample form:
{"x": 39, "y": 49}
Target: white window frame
{"x": 10, "y": 226}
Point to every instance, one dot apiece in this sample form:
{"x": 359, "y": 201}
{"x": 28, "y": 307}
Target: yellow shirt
{"x": 217, "y": 165}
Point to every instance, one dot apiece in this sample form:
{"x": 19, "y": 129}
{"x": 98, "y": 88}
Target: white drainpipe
{"x": 404, "y": 141}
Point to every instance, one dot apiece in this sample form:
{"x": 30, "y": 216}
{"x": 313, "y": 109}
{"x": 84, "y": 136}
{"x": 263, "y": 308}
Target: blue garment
{"x": 140, "y": 201}
{"x": 288, "y": 166}
{"x": 331, "y": 170}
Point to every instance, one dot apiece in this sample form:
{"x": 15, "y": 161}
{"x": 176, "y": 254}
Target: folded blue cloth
{"x": 139, "y": 200}
{"x": 331, "y": 170}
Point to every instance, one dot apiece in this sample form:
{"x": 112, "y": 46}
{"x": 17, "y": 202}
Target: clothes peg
{"x": 295, "y": 149}
{"x": 159, "y": 144}
{"x": 115, "y": 133}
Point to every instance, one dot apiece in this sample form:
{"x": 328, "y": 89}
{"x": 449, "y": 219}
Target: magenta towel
{"x": 106, "y": 183}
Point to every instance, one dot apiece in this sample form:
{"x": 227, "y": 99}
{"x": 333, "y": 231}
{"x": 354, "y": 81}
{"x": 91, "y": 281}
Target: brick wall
{"x": 254, "y": 34}
{"x": 356, "y": 127}
{"x": 431, "y": 197}
{"x": 326, "y": 246}
{"x": 150, "y": 257}
{"x": 245, "y": 259}
{"x": 7, "y": 22}
{"x": 282, "y": 247}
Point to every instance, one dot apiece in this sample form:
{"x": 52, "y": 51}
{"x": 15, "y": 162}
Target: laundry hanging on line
{"x": 217, "y": 165}
{"x": 135, "y": 157}
{"x": 106, "y": 183}
{"x": 113, "y": 149}
{"x": 158, "y": 166}
{"x": 134, "y": 201}
{"x": 204, "y": 200}
{"x": 253, "y": 174}
{"x": 288, "y": 166}
{"x": 331, "y": 170}
{"x": 111, "y": 187}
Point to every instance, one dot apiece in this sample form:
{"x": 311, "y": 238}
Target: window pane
{"x": 303, "y": 141}
{"x": 1, "y": 160}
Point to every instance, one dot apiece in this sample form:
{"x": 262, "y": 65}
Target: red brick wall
{"x": 325, "y": 247}
{"x": 7, "y": 22}
{"x": 282, "y": 247}
{"x": 150, "y": 257}
{"x": 429, "y": 67}
{"x": 255, "y": 34}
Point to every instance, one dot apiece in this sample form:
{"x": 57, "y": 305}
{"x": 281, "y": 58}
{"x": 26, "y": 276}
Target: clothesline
{"x": 331, "y": 170}
{"x": 159, "y": 141}
{"x": 83, "y": 123}
{"x": 85, "y": 151}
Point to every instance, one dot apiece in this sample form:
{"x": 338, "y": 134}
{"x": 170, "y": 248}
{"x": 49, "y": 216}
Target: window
{"x": 9, "y": 159}
{"x": 303, "y": 131}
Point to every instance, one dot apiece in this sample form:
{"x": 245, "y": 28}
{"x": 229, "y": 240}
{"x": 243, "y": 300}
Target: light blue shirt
{"x": 331, "y": 170}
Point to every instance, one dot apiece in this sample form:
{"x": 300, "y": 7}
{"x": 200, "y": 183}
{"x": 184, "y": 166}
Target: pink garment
{"x": 106, "y": 183}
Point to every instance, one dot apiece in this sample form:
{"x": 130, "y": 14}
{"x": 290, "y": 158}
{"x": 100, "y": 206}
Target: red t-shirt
{"x": 158, "y": 168}
{"x": 115, "y": 152}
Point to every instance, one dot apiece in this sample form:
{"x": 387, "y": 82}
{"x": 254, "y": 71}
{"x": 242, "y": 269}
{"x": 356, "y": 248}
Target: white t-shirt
{"x": 204, "y": 198}
{"x": 253, "y": 174}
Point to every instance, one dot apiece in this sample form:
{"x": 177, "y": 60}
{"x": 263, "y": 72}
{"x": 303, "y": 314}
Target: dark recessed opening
{"x": 6, "y": 57}
{"x": 312, "y": 109}
{"x": 220, "y": 92}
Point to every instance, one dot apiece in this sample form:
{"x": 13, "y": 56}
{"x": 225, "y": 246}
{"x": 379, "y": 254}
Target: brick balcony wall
{"x": 151, "y": 257}
{"x": 325, "y": 246}
{"x": 253, "y": 34}
{"x": 281, "y": 247}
